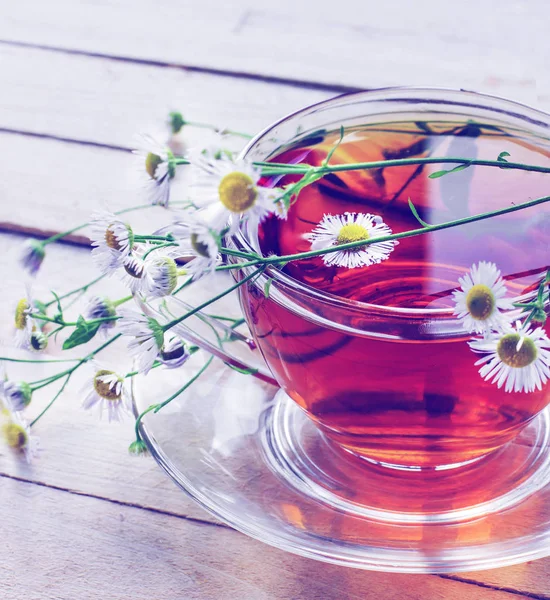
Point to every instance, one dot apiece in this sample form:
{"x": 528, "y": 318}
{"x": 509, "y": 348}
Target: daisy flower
{"x": 174, "y": 351}
{"x": 17, "y": 435}
{"x": 335, "y": 230}
{"x": 112, "y": 240}
{"x": 231, "y": 185}
{"x": 147, "y": 338}
{"x": 199, "y": 242}
{"x": 101, "y": 308}
{"x": 157, "y": 161}
{"x": 518, "y": 358}
{"x": 108, "y": 392}
{"x": 24, "y": 323}
{"x": 32, "y": 255}
{"x": 481, "y": 298}
{"x": 15, "y": 395}
{"x": 154, "y": 276}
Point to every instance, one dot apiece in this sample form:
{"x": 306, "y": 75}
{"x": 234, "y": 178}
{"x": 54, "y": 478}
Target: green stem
{"x": 63, "y": 234}
{"x": 60, "y": 391}
{"x": 157, "y": 407}
{"x": 218, "y": 129}
{"x": 405, "y": 234}
{"x": 153, "y": 238}
{"x": 58, "y": 321}
{"x": 171, "y": 324}
{"x": 269, "y": 168}
{"x": 23, "y": 360}
{"x": 82, "y": 288}
{"x": 122, "y": 300}
{"x": 36, "y": 385}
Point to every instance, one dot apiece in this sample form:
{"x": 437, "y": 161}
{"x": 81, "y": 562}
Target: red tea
{"x": 398, "y": 393}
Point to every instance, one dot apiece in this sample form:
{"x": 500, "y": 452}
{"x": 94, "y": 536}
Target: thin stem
{"x": 63, "y": 234}
{"x": 406, "y": 234}
{"x": 122, "y": 300}
{"x": 269, "y": 168}
{"x": 82, "y": 288}
{"x": 60, "y": 391}
{"x": 42, "y": 317}
{"x": 45, "y": 382}
{"x": 171, "y": 324}
{"x": 218, "y": 129}
{"x": 157, "y": 407}
{"x": 24, "y": 360}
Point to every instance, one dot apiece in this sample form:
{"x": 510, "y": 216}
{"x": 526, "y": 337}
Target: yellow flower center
{"x": 507, "y": 350}
{"x": 352, "y": 233}
{"x": 15, "y": 435}
{"x": 21, "y": 313}
{"x": 134, "y": 269}
{"x": 199, "y": 247}
{"x": 152, "y": 162}
{"x": 111, "y": 239}
{"x": 103, "y": 388}
{"x": 480, "y": 302}
{"x": 237, "y": 192}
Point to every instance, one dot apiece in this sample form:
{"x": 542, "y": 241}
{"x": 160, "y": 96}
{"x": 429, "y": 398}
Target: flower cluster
{"x": 516, "y": 355}
{"x": 221, "y": 194}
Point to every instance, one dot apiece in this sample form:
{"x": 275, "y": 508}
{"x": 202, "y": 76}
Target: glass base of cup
{"x": 316, "y": 466}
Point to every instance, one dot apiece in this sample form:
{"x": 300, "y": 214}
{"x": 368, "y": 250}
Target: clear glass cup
{"x": 398, "y": 385}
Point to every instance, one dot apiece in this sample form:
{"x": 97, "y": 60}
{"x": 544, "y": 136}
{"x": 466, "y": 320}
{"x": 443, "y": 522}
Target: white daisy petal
{"x": 481, "y": 299}
{"x": 157, "y": 169}
{"x": 335, "y": 230}
{"x": 107, "y": 392}
{"x": 112, "y": 241}
{"x": 517, "y": 358}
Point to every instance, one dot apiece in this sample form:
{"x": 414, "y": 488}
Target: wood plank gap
{"x": 508, "y": 590}
{"x": 287, "y": 81}
{"x": 151, "y": 509}
{"x": 58, "y": 138}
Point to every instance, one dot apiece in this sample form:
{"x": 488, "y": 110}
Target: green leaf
{"x": 58, "y": 302}
{"x": 267, "y": 287}
{"x": 502, "y": 156}
{"x": 416, "y": 215}
{"x": 438, "y": 174}
{"x": 83, "y": 332}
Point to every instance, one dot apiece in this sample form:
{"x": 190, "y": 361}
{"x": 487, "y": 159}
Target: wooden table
{"x": 86, "y": 520}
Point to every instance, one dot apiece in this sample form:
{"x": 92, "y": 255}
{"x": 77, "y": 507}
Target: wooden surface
{"x": 87, "y": 521}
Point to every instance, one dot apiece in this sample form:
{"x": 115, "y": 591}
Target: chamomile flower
{"x": 198, "y": 242}
{"x": 481, "y": 298}
{"x": 518, "y": 358}
{"x": 157, "y": 162}
{"x": 231, "y": 185}
{"x": 146, "y": 338}
{"x": 101, "y": 308}
{"x": 162, "y": 273}
{"x": 108, "y": 392}
{"x": 24, "y": 323}
{"x": 14, "y": 395}
{"x": 17, "y": 435}
{"x": 32, "y": 255}
{"x": 174, "y": 351}
{"x": 112, "y": 240}
{"x": 335, "y": 230}
{"x": 152, "y": 273}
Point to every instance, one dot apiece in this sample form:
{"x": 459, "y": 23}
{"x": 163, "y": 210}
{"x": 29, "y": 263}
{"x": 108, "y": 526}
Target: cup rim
{"x": 436, "y": 95}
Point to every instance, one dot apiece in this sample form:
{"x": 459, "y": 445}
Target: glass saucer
{"x": 249, "y": 455}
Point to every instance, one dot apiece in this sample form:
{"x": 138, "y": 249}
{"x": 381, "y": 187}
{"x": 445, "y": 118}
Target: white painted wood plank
{"x": 108, "y": 102}
{"x": 58, "y": 546}
{"x": 90, "y": 457}
{"x": 486, "y": 45}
